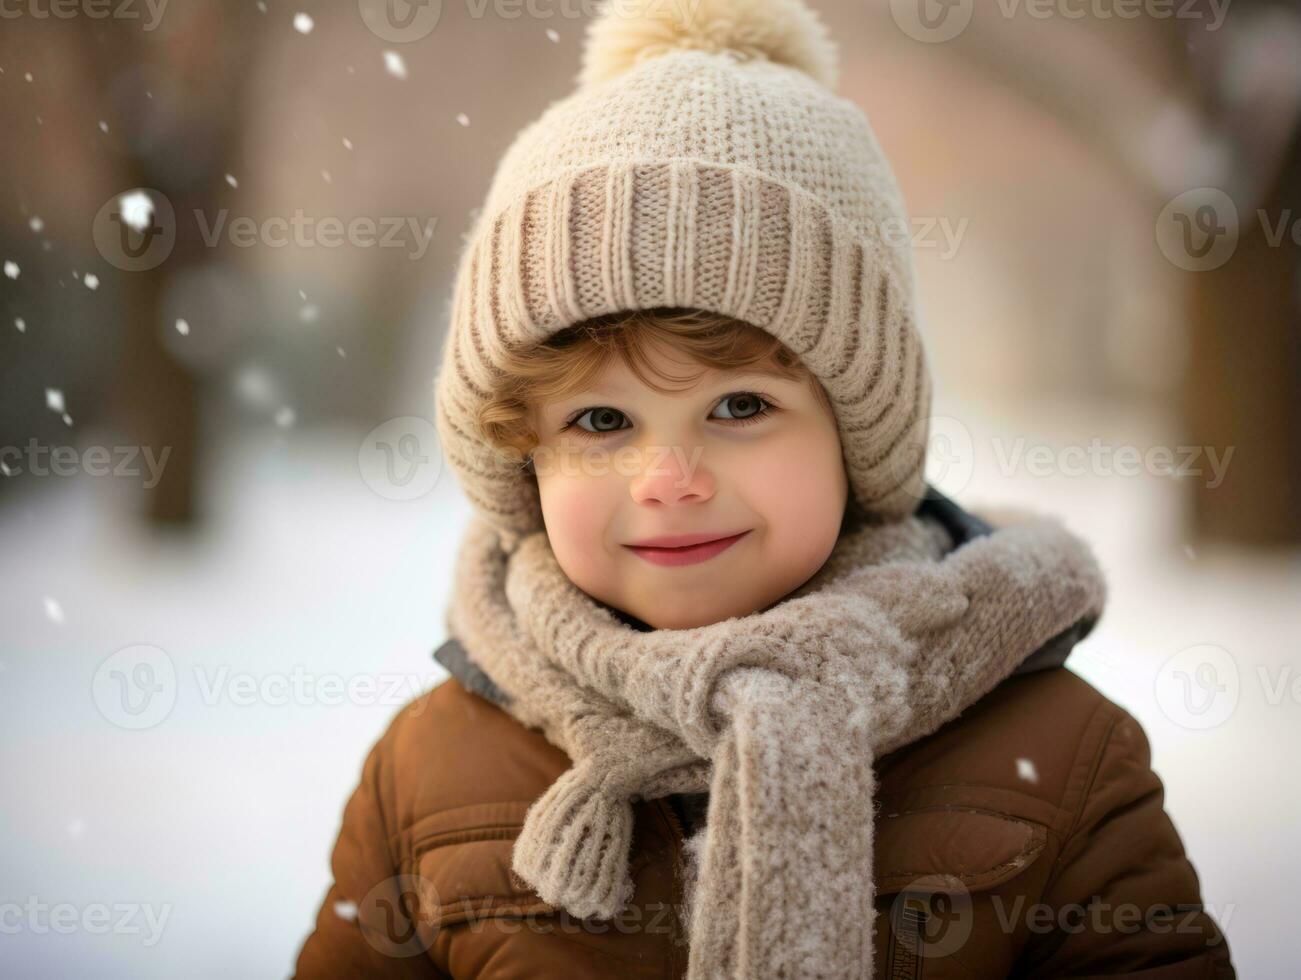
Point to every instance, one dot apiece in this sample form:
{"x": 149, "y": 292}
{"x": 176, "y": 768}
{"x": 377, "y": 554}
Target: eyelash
{"x": 768, "y": 408}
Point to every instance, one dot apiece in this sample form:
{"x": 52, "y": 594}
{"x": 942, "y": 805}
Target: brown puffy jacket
{"x": 1026, "y": 838}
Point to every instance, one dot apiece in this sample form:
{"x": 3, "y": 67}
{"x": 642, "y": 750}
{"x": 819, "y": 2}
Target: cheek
{"x": 576, "y": 512}
{"x": 799, "y": 480}
{"x": 799, "y": 488}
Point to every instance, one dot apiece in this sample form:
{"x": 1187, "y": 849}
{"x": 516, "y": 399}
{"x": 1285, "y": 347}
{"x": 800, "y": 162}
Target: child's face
{"x": 711, "y": 459}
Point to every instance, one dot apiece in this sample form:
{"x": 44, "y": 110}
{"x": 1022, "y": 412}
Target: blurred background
{"x": 228, "y": 232}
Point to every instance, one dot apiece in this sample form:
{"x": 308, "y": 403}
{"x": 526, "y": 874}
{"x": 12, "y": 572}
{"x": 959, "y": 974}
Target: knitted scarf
{"x": 779, "y": 715}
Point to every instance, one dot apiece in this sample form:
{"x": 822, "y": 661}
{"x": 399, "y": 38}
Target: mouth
{"x": 685, "y": 554}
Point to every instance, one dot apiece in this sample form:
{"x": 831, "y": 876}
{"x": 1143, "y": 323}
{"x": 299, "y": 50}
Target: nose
{"x": 671, "y": 475}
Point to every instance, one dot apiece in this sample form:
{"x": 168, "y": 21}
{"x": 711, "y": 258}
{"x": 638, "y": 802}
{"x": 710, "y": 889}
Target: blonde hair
{"x": 570, "y": 360}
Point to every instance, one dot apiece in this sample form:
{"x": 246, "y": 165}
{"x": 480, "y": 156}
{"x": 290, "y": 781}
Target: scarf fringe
{"x": 574, "y": 846}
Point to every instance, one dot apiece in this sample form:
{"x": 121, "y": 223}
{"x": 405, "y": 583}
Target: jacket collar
{"x": 962, "y": 526}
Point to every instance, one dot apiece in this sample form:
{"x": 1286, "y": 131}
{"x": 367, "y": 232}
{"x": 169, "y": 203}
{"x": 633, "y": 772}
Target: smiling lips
{"x": 688, "y": 554}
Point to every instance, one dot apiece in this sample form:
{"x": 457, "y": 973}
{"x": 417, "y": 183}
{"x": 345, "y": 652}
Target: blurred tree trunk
{"x": 1243, "y": 387}
{"x": 185, "y": 155}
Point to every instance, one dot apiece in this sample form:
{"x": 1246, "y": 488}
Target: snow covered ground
{"x": 202, "y": 840}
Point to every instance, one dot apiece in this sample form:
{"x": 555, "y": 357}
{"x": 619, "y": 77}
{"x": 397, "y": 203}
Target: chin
{"x": 680, "y": 616}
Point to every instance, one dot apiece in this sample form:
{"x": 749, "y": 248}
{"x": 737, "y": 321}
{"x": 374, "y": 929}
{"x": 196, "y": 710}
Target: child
{"x": 734, "y": 693}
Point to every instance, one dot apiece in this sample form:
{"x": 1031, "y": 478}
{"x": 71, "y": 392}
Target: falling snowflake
{"x": 53, "y": 611}
{"x": 341, "y": 352}
{"x": 325, "y": 175}
{"x": 21, "y": 324}
{"x": 255, "y": 385}
{"x": 11, "y": 269}
{"x": 28, "y": 76}
{"x": 285, "y": 416}
{"x": 1190, "y": 551}
{"x": 183, "y": 328}
{"x": 309, "y": 313}
{"x": 103, "y": 126}
{"x": 67, "y": 419}
{"x": 54, "y": 399}
{"x": 395, "y": 65}
{"x": 552, "y": 35}
{"x": 1025, "y": 770}
{"x": 91, "y": 280}
{"x": 4, "y": 468}
{"x": 230, "y": 179}
{"x": 36, "y": 224}
{"x": 137, "y": 209}
{"x": 347, "y": 143}
{"x": 346, "y": 909}
{"x": 303, "y": 23}
{"x": 463, "y": 119}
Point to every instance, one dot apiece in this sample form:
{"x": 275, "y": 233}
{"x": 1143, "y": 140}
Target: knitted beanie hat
{"x": 703, "y": 161}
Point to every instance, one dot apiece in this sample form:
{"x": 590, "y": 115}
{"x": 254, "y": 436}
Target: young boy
{"x": 733, "y": 693}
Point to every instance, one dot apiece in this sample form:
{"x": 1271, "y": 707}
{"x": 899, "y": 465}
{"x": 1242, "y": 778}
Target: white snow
{"x": 37, "y": 224}
{"x": 91, "y": 280}
{"x": 395, "y": 64}
{"x": 255, "y": 385}
{"x": 463, "y": 119}
{"x": 137, "y": 209}
{"x": 285, "y": 416}
{"x": 230, "y": 179}
{"x": 552, "y": 35}
{"x": 21, "y": 324}
{"x": 303, "y": 23}
{"x": 183, "y": 327}
{"x": 346, "y": 909}
{"x": 54, "y": 399}
{"x": 53, "y": 611}
{"x": 1025, "y": 770}
{"x": 11, "y": 269}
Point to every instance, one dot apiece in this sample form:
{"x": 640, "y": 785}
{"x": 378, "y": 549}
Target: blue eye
{"x": 751, "y": 405}
{"x": 602, "y": 413}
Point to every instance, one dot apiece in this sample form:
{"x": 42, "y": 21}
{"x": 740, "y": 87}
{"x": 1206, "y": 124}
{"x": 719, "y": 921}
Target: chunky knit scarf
{"x": 779, "y": 715}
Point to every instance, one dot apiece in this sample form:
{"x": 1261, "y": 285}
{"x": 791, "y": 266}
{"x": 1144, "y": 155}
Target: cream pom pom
{"x": 788, "y": 32}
